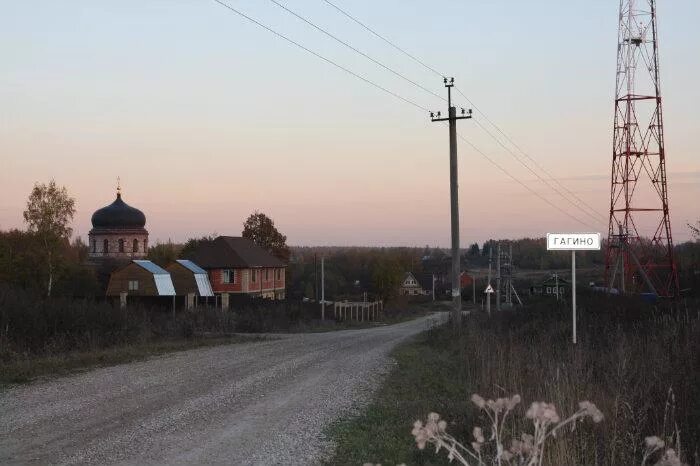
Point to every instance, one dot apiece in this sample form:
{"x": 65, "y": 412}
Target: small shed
{"x": 190, "y": 278}
{"x": 140, "y": 278}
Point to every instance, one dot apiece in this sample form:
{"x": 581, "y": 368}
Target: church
{"x": 118, "y": 232}
{"x": 118, "y": 249}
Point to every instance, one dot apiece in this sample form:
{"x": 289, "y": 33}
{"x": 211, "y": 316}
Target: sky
{"x": 206, "y": 117}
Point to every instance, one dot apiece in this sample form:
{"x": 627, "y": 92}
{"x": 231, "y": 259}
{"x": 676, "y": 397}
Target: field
{"x": 639, "y": 364}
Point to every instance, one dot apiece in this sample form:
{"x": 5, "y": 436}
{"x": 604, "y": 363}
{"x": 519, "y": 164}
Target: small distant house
{"x": 189, "y": 278}
{"x": 236, "y": 265}
{"x": 410, "y": 286}
{"x": 465, "y": 280}
{"x": 140, "y": 278}
{"x": 550, "y": 285}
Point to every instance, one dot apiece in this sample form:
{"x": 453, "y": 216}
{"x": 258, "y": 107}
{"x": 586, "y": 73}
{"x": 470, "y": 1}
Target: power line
{"x": 317, "y": 55}
{"x": 595, "y": 214}
{"x": 346, "y": 44}
{"x": 376, "y": 34}
{"x": 495, "y": 164}
{"x": 471, "y": 103}
{"x": 394, "y": 94}
{"x": 533, "y": 171}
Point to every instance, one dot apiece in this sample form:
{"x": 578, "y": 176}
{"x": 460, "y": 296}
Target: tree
{"x": 260, "y": 229}
{"x": 474, "y": 249}
{"x": 193, "y": 243}
{"x": 164, "y": 253}
{"x": 386, "y": 277}
{"x": 49, "y": 213}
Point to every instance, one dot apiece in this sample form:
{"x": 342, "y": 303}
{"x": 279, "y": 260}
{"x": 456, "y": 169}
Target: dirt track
{"x": 253, "y": 403}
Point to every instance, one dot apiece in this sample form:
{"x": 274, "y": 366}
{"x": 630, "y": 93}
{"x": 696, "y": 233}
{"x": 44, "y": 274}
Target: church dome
{"x": 118, "y": 215}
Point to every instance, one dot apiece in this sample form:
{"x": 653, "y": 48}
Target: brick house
{"x": 238, "y": 266}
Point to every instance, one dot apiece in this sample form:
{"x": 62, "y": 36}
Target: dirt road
{"x": 253, "y": 403}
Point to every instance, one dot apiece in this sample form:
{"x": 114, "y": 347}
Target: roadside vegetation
{"x": 638, "y": 363}
{"x": 48, "y": 336}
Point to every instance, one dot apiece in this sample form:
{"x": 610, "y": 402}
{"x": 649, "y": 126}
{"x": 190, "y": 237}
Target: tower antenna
{"x": 640, "y": 244}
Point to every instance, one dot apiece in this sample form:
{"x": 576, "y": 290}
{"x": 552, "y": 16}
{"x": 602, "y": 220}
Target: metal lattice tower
{"x": 639, "y": 256}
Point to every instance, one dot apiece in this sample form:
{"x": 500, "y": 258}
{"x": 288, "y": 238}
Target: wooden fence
{"x": 360, "y": 311}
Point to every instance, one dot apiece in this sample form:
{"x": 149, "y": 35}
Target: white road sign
{"x": 489, "y": 289}
{"x": 573, "y": 241}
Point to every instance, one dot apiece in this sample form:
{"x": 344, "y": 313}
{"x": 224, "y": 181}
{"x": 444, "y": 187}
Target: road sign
{"x": 573, "y": 241}
{"x": 489, "y": 289}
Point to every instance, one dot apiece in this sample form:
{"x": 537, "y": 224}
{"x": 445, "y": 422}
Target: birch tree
{"x": 49, "y": 213}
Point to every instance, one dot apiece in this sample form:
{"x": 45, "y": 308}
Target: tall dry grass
{"x": 640, "y": 364}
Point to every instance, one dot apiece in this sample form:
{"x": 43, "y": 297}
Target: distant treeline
{"x": 349, "y": 271}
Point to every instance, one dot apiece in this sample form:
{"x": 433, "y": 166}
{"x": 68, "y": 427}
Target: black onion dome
{"x": 118, "y": 215}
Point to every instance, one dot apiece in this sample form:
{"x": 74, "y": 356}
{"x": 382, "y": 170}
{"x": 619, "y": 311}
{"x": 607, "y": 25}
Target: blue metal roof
{"x": 161, "y": 277}
{"x": 151, "y": 267}
{"x": 191, "y": 266}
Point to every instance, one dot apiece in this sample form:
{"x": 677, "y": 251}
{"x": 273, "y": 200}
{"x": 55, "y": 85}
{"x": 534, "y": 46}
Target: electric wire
{"x": 376, "y": 34}
{"x": 509, "y": 139}
{"x": 348, "y": 45}
{"x": 497, "y": 165}
{"x": 554, "y": 188}
{"x": 595, "y": 214}
{"x": 318, "y": 55}
{"x": 398, "y": 96}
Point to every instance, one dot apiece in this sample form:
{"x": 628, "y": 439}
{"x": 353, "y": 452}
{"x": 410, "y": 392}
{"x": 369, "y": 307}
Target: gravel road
{"x": 252, "y": 403}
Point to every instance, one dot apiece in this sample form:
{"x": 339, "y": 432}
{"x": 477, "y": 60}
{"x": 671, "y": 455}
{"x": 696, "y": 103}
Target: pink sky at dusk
{"x": 206, "y": 118}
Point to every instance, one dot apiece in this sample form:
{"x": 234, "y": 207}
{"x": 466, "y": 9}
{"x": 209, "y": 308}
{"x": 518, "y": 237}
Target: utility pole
{"x": 488, "y": 295}
{"x": 454, "y": 200}
{"x": 315, "y": 279}
{"x": 433, "y": 275}
{"x": 498, "y": 278}
{"x": 323, "y": 289}
{"x": 509, "y": 288}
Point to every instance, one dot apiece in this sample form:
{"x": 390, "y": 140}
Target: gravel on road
{"x": 253, "y": 403}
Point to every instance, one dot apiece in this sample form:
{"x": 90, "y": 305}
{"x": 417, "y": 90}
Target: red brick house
{"x": 238, "y": 266}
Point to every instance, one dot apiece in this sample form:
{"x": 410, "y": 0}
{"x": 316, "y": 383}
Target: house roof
{"x": 191, "y": 266}
{"x": 164, "y": 284}
{"x": 425, "y": 280}
{"x": 552, "y": 280}
{"x": 201, "y": 277}
{"x": 233, "y": 252}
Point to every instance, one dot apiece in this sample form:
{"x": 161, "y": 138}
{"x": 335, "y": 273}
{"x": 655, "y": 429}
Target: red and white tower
{"x": 640, "y": 245}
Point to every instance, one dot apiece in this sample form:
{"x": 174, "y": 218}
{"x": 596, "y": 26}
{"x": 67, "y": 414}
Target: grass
{"x": 27, "y": 368}
{"x": 40, "y": 338}
{"x": 628, "y": 358}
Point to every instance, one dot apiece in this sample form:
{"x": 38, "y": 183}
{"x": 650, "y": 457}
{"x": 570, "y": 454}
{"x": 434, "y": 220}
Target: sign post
{"x": 489, "y": 291}
{"x": 573, "y": 242}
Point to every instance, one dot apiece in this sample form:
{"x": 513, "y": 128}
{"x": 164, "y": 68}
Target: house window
{"x": 105, "y": 246}
{"x": 278, "y": 272}
{"x": 229, "y": 276}
{"x": 133, "y": 285}
{"x": 136, "y": 246}
{"x": 121, "y": 245}
{"x": 253, "y": 275}
{"x": 549, "y": 290}
{"x": 267, "y": 274}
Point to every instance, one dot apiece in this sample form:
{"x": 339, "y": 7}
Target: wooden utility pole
{"x": 323, "y": 289}
{"x": 488, "y": 295}
{"x": 454, "y": 199}
{"x": 498, "y": 277}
